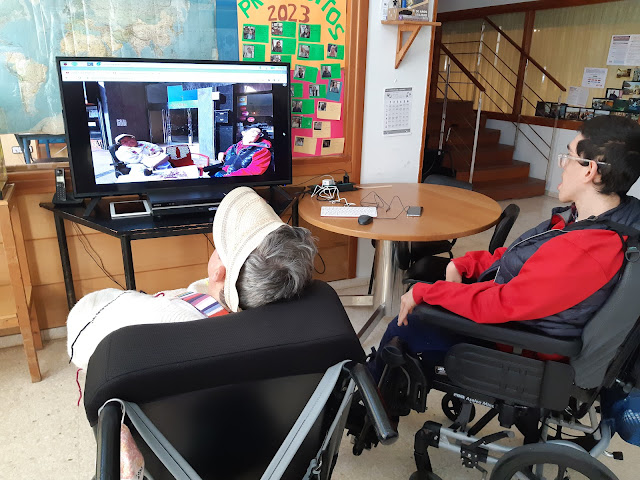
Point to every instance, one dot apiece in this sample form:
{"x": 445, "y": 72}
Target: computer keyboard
{"x": 348, "y": 211}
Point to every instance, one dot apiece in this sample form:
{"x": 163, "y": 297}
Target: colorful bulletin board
{"x": 310, "y": 35}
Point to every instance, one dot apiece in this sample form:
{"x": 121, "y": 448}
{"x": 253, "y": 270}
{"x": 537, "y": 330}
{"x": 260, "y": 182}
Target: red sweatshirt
{"x": 563, "y": 272}
{"x": 259, "y": 161}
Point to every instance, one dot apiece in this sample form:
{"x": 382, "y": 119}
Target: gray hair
{"x": 280, "y": 268}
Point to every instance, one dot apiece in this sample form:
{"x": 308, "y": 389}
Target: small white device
{"x": 133, "y": 208}
{"x": 414, "y": 211}
{"x": 348, "y": 211}
{"x": 328, "y": 182}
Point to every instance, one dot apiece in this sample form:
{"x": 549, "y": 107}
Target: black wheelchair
{"x": 543, "y": 399}
{"x": 264, "y": 393}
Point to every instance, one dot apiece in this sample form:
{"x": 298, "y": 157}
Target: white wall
{"x": 454, "y": 5}
{"x": 397, "y": 158}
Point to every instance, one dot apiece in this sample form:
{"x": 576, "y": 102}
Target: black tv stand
{"x": 90, "y": 206}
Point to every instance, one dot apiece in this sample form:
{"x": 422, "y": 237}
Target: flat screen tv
{"x": 139, "y": 126}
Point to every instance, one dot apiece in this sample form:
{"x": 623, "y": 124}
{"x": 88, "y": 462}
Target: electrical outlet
{"x": 16, "y": 150}
{"x": 121, "y": 122}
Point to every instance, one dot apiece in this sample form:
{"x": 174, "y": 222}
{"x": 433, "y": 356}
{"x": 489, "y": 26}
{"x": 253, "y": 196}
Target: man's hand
{"x": 407, "y": 304}
{"x": 452, "y": 274}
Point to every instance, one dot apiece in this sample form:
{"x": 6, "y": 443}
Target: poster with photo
{"x": 311, "y": 37}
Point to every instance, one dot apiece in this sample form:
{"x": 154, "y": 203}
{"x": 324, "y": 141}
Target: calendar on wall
{"x": 397, "y": 111}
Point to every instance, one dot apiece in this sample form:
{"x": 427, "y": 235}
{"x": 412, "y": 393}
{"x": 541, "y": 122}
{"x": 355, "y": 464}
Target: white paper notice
{"x": 397, "y": 111}
{"x": 624, "y": 50}
{"x": 594, "y": 77}
{"x": 578, "y": 96}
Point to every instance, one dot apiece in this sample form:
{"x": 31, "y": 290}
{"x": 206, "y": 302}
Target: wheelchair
{"x": 544, "y": 399}
{"x": 263, "y": 393}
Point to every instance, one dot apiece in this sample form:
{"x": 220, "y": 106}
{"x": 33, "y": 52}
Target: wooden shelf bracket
{"x": 411, "y": 27}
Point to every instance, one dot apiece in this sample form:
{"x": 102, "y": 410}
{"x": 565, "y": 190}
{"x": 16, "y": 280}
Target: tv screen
{"x": 142, "y": 125}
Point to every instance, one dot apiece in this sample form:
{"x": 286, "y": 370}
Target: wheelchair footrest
{"x": 512, "y": 378}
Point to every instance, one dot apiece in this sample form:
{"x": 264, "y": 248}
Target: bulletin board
{"x": 311, "y": 37}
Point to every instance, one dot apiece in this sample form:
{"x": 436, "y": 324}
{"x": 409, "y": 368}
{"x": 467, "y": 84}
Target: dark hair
{"x": 614, "y": 140}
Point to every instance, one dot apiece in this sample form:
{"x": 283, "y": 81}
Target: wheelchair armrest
{"x": 510, "y": 334}
{"x": 372, "y": 402}
{"x": 108, "y": 440}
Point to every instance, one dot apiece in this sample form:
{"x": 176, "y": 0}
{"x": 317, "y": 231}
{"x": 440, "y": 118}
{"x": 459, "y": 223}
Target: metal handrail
{"x": 461, "y": 66}
{"x": 526, "y": 55}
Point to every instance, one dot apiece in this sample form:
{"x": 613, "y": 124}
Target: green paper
{"x": 258, "y": 55}
{"x": 288, "y": 29}
{"x": 261, "y": 33}
{"x": 315, "y": 31}
{"x": 310, "y": 73}
{"x": 283, "y": 58}
{"x": 305, "y": 122}
{"x": 297, "y": 89}
{"x": 288, "y": 45}
{"x": 308, "y": 106}
{"x": 322, "y": 91}
{"x": 335, "y": 70}
{"x": 339, "y": 52}
{"x": 316, "y": 52}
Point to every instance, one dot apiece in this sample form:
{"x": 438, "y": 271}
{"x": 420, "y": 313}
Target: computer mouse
{"x": 365, "y": 219}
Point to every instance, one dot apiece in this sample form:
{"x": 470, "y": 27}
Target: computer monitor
{"x": 138, "y": 126}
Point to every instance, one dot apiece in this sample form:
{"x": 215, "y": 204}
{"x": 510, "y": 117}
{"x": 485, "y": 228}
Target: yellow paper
{"x": 332, "y": 110}
{"x": 305, "y": 145}
{"x": 321, "y": 129}
{"x": 332, "y": 146}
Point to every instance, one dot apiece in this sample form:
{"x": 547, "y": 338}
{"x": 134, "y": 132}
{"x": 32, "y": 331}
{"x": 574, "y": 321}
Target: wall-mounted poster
{"x": 311, "y": 37}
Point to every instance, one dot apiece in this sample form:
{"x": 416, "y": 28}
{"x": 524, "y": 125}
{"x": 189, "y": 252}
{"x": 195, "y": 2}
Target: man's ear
{"x": 219, "y": 274}
{"x": 591, "y": 174}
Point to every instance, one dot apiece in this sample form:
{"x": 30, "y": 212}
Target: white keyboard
{"x": 348, "y": 211}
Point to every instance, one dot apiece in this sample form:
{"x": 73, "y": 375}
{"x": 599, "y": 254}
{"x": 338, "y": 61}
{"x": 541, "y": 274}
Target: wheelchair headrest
{"x": 142, "y": 363}
{"x": 605, "y": 333}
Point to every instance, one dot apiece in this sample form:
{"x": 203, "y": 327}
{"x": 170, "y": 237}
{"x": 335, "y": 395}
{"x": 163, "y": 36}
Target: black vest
{"x": 236, "y": 160}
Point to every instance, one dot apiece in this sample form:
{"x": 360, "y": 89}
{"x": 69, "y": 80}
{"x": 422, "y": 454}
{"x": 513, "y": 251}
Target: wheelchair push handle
{"x": 386, "y": 433}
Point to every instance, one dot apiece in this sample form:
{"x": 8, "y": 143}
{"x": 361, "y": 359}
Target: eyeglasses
{"x": 564, "y": 158}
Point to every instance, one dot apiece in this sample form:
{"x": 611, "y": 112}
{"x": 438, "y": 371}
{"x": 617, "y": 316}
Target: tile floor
{"x": 44, "y": 434}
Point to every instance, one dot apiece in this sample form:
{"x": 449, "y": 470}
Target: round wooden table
{"x": 447, "y": 213}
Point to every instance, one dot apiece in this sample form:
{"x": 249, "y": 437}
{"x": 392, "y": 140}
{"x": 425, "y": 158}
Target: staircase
{"x": 496, "y": 174}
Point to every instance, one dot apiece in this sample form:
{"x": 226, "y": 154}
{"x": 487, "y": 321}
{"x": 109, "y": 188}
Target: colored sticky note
{"x": 309, "y": 33}
{"x": 317, "y": 90}
{"x": 252, "y": 52}
{"x": 296, "y": 89}
{"x": 301, "y": 122}
{"x": 306, "y": 73}
{"x": 255, "y": 33}
{"x": 283, "y": 29}
{"x": 308, "y": 51}
{"x": 334, "y": 90}
{"x": 283, "y": 45}
{"x": 330, "y": 70}
{"x": 331, "y": 146}
{"x": 302, "y": 106}
{"x": 321, "y": 129}
{"x": 329, "y": 110}
{"x": 305, "y": 145}
{"x": 335, "y": 51}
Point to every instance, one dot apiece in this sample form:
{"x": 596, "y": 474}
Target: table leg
{"x": 127, "y": 260}
{"x": 66, "y": 263}
{"x": 387, "y": 286}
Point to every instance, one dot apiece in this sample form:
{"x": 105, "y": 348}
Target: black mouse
{"x": 365, "y": 219}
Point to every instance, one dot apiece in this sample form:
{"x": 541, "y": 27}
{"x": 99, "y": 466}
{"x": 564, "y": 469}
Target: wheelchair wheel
{"x": 451, "y": 406}
{"x": 546, "y": 461}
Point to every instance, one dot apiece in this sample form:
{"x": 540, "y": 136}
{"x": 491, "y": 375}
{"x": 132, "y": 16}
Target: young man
{"x": 556, "y": 275}
{"x": 258, "y": 260}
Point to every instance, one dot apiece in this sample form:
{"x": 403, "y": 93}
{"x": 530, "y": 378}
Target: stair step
{"x": 531, "y": 187}
{"x": 515, "y": 171}
{"x": 452, "y": 106}
{"x": 486, "y": 155}
{"x": 464, "y": 136}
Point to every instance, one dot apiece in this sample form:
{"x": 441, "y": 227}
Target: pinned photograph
{"x": 299, "y": 71}
{"x": 248, "y": 51}
{"x": 332, "y": 50}
{"x": 634, "y": 105}
{"x": 317, "y": 125}
{"x": 292, "y": 90}
{"x": 334, "y": 86}
{"x": 299, "y": 142}
{"x": 630, "y": 88}
{"x": 322, "y": 106}
{"x": 600, "y": 113}
{"x": 296, "y": 106}
{"x": 305, "y": 31}
{"x": 314, "y": 90}
{"x": 326, "y": 143}
{"x": 296, "y": 122}
{"x": 586, "y": 114}
{"x": 326, "y": 71}
{"x": 623, "y": 73}
{"x": 620, "y": 105}
{"x": 276, "y": 58}
{"x": 613, "y": 93}
{"x": 602, "y": 103}
{"x": 636, "y": 74}
{"x": 276, "y": 29}
{"x": 276, "y": 46}
{"x": 248, "y": 33}
{"x": 303, "y": 51}
{"x": 572, "y": 113}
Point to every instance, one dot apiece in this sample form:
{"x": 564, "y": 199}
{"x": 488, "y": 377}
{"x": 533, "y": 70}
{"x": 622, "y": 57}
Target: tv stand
{"x": 90, "y": 206}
